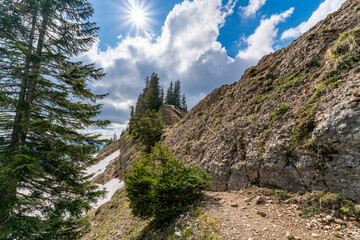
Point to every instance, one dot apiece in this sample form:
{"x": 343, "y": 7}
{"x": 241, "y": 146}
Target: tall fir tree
{"x": 45, "y": 104}
{"x": 140, "y": 107}
{"x": 177, "y": 94}
{"x": 169, "y": 99}
{"x": 183, "y": 103}
{"x": 152, "y": 96}
{"x": 173, "y": 95}
{"x": 162, "y": 94}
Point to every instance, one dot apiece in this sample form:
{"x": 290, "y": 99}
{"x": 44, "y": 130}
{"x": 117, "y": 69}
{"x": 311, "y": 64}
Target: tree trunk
{"x": 35, "y": 70}
{"x": 17, "y": 128}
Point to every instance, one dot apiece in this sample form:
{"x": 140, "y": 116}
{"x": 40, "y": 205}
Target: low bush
{"x": 160, "y": 187}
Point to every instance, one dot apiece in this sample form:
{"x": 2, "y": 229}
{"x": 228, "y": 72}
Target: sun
{"x": 138, "y": 15}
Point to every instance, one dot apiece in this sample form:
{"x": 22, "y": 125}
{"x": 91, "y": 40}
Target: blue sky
{"x": 204, "y": 43}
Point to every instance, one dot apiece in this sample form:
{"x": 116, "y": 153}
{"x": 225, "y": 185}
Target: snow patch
{"x": 173, "y": 107}
{"x": 100, "y": 167}
{"x": 111, "y": 187}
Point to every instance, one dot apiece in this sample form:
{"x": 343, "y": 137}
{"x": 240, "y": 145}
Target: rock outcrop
{"x": 292, "y": 121}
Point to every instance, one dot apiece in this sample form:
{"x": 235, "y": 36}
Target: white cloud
{"x": 188, "y": 38}
{"x": 252, "y": 7}
{"x": 107, "y": 132}
{"x": 325, "y": 8}
{"x": 186, "y": 49}
{"x": 261, "y": 42}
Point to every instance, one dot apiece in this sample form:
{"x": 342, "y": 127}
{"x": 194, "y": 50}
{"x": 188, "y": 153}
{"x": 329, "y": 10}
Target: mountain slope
{"x": 292, "y": 121}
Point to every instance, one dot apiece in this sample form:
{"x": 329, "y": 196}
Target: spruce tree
{"x": 177, "y": 94}
{"x": 45, "y": 104}
{"x": 140, "y": 107}
{"x": 173, "y": 95}
{"x": 169, "y": 99}
{"x": 183, "y": 103}
{"x": 152, "y": 96}
{"x": 162, "y": 94}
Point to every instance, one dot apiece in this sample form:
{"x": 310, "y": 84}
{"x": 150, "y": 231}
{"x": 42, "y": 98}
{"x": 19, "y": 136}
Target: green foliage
{"x": 150, "y": 98}
{"x": 45, "y": 105}
{"x": 281, "y": 195}
{"x": 148, "y": 129}
{"x": 274, "y": 88}
{"x": 320, "y": 202}
{"x": 279, "y": 112}
{"x": 200, "y": 226}
{"x": 312, "y": 63}
{"x": 173, "y": 96}
{"x": 161, "y": 187}
{"x": 234, "y": 148}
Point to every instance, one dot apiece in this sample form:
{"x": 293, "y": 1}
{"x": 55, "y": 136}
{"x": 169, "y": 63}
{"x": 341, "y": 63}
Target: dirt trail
{"x": 241, "y": 218}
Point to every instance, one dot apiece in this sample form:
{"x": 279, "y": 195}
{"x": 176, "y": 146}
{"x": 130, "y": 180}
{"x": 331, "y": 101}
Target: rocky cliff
{"x": 292, "y": 121}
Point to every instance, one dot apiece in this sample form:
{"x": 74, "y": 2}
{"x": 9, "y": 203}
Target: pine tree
{"x": 162, "y": 93}
{"x": 169, "y": 99}
{"x": 147, "y": 85}
{"x": 173, "y": 95}
{"x": 115, "y": 137}
{"x": 45, "y": 102}
{"x": 183, "y": 103}
{"x": 132, "y": 115}
{"x": 148, "y": 129}
{"x": 177, "y": 94}
{"x": 140, "y": 107}
{"x": 152, "y": 96}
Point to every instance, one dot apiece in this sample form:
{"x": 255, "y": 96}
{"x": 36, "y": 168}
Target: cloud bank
{"x": 325, "y": 8}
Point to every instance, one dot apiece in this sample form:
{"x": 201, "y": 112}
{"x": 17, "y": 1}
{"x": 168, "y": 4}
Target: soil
{"x": 241, "y": 218}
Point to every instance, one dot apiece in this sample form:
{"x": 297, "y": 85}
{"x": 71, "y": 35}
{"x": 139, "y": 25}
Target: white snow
{"x": 175, "y": 109}
{"x": 101, "y": 166}
{"x": 111, "y": 187}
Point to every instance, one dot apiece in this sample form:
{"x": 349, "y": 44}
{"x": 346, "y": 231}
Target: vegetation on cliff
{"x": 146, "y": 122}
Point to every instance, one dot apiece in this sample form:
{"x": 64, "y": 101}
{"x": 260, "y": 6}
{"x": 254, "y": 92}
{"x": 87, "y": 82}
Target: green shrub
{"x": 148, "y": 129}
{"x": 320, "y": 202}
{"x": 161, "y": 187}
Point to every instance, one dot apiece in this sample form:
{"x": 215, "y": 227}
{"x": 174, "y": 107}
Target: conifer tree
{"x": 169, "y": 99}
{"x": 177, "y": 94}
{"x": 173, "y": 95}
{"x": 162, "y": 93}
{"x": 152, "y": 96}
{"x": 45, "y": 102}
{"x": 140, "y": 107}
{"x": 183, "y": 103}
{"x": 132, "y": 115}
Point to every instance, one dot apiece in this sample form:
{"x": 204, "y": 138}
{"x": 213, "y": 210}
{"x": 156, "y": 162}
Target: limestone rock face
{"x": 338, "y": 135}
{"x": 292, "y": 121}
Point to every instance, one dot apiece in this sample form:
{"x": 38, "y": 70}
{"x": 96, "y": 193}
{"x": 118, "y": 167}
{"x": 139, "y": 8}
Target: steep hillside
{"x": 292, "y": 121}
{"x": 130, "y": 150}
